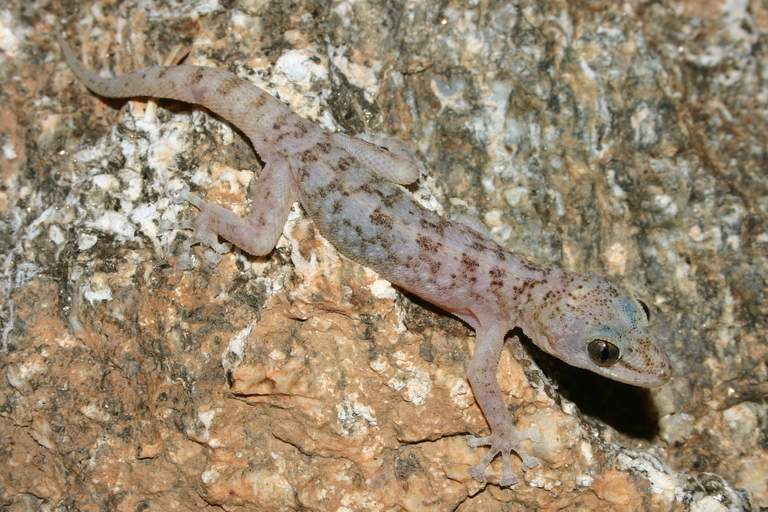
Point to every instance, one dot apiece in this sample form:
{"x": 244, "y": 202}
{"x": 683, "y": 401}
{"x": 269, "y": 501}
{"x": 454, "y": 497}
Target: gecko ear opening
{"x": 603, "y": 353}
{"x": 646, "y": 309}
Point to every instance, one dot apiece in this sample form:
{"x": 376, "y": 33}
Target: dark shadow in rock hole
{"x": 628, "y": 409}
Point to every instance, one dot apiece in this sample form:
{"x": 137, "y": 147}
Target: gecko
{"x": 351, "y": 190}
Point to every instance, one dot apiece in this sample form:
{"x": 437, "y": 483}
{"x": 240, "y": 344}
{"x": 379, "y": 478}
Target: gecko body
{"x": 350, "y": 189}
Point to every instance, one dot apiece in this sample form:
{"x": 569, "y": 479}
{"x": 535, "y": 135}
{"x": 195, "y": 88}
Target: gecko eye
{"x": 603, "y": 353}
{"x": 645, "y": 308}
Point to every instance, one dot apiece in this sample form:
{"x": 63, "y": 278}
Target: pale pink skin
{"x": 347, "y": 186}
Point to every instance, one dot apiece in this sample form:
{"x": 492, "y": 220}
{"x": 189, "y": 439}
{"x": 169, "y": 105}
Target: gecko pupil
{"x": 603, "y": 353}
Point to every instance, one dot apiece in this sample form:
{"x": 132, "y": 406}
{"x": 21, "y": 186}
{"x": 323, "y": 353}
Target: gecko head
{"x": 588, "y": 322}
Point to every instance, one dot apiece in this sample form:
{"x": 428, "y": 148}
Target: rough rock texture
{"x": 624, "y": 138}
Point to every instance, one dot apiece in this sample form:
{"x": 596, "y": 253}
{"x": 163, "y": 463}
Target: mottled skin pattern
{"x": 346, "y": 186}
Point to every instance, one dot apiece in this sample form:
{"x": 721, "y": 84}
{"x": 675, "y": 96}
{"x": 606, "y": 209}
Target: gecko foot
{"x": 203, "y": 235}
{"x": 504, "y": 444}
{"x": 208, "y": 216}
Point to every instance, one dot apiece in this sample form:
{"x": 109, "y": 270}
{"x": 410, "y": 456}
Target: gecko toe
{"x": 505, "y": 445}
{"x": 508, "y": 480}
{"x": 473, "y": 442}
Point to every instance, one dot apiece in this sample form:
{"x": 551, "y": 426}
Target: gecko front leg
{"x": 504, "y": 439}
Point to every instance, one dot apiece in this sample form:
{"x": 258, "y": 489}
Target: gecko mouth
{"x": 652, "y": 373}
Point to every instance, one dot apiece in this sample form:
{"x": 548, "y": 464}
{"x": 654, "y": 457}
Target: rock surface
{"x": 623, "y": 138}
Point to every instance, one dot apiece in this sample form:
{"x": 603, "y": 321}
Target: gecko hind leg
{"x": 396, "y": 163}
{"x": 257, "y": 234}
{"x": 504, "y": 445}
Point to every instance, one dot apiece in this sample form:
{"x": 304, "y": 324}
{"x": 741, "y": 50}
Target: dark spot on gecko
{"x": 334, "y": 186}
{"x": 307, "y": 156}
{"x": 324, "y": 147}
{"x": 387, "y": 200}
{"x": 195, "y": 79}
{"x": 258, "y": 103}
{"x": 530, "y": 266}
{"x": 500, "y": 255}
{"x": 497, "y": 272}
{"x": 497, "y": 275}
{"x": 479, "y": 247}
{"x": 298, "y": 132}
{"x": 344, "y": 163}
{"x": 380, "y": 218}
{"x": 337, "y": 207}
{"x": 623, "y": 363}
{"x": 437, "y": 227}
{"x": 385, "y": 243}
{"x": 434, "y": 266}
{"x": 469, "y": 264}
{"x": 280, "y": 123}
{"x": 162, "y": 73}
{"x": 229, "y": 84}
{"x": 427, "y": 244}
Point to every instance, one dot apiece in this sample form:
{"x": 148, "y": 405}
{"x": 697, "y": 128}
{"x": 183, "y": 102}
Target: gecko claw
{"x": 503, "y": 444}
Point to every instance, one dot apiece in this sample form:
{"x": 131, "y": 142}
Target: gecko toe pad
{"x": 504, "y": 444}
